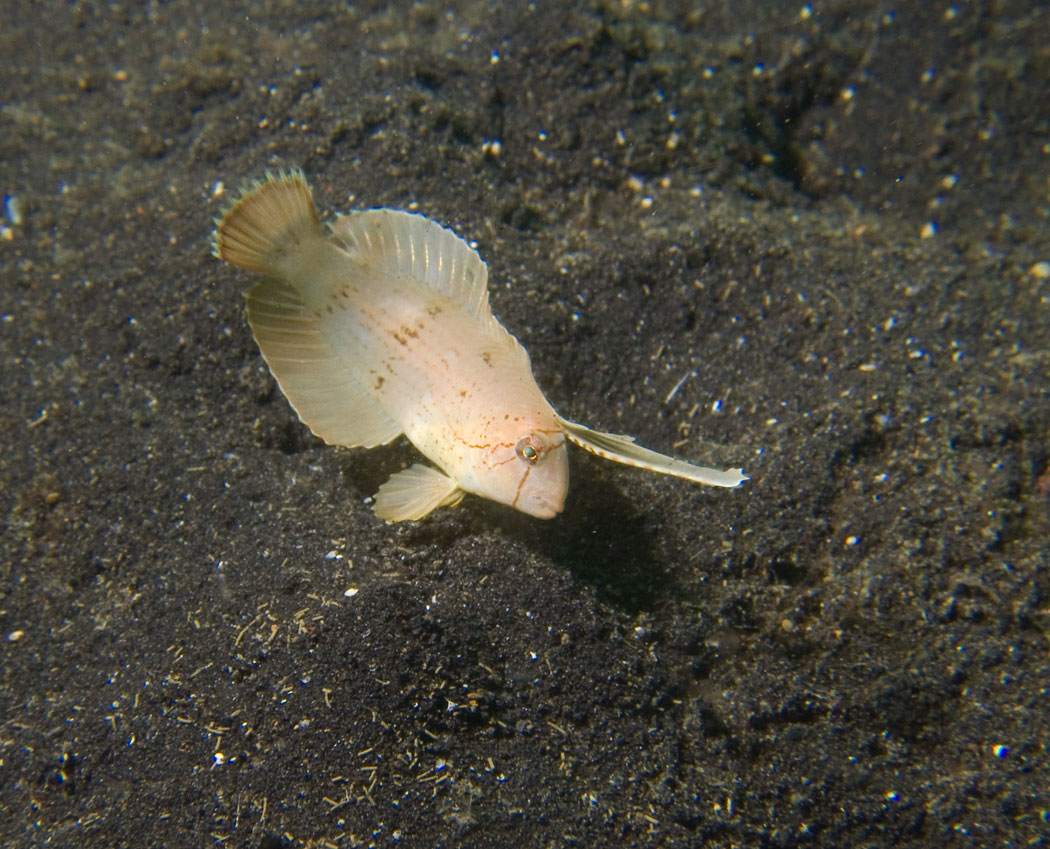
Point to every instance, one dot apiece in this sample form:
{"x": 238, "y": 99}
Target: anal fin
{"x": 318, "y": 383}
{"x": 413, "y": 493}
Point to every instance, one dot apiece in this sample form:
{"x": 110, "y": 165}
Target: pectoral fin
{"x": 622, "y": 449}
{"x": 413, "y": 493}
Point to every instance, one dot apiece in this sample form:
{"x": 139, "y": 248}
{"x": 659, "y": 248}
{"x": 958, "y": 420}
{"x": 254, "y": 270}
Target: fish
{"x": 381, "y": 326}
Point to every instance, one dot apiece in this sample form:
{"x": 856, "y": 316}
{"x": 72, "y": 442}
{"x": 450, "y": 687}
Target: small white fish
{"x": 383, "y": 327}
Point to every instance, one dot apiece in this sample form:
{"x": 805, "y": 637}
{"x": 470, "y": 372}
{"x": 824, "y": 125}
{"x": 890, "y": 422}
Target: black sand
{"x": 808, "y": 244}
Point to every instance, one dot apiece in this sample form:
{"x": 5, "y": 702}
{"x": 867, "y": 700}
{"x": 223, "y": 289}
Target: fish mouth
{"x": 542, "y": 508}
{"x": 542, "y": 487}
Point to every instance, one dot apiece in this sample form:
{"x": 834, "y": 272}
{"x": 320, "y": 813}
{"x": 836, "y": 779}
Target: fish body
{"x": 383, "y": 327}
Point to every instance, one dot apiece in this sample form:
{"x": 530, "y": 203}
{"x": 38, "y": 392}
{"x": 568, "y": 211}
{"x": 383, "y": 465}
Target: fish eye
{"x": 526, "y": 450}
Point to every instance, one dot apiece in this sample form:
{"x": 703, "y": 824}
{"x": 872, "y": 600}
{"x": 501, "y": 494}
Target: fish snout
{"x": 543, "y": 507}
{"x": 542, "y": 489}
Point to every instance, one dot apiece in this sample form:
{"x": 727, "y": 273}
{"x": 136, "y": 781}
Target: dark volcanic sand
{"x": 830, "y": 225}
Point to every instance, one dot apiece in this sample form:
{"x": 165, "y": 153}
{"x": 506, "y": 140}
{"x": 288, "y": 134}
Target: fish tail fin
{"x": 271, "y": 219}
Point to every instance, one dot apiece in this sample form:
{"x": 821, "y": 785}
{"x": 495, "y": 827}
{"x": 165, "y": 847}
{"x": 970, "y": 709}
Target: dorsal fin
{"x": 421, "y": 249}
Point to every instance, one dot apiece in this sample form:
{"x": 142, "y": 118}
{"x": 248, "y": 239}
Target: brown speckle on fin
{"x": 412, "y": 246}
{"x": 421, "y": 249}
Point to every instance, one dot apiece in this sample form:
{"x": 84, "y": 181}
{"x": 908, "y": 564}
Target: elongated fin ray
{"x": 623, "y": 449}
{"x": 318, "y": 384}
{"x": 413, "y": 493}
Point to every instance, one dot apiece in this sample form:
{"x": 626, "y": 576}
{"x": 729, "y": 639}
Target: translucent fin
{"x": 270, "y": 218}
{"x": 419, "y": 248}
{"x": 413, "y": 493}
{"x": 622, "y": 449}
{"x": 317, "y": 383}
